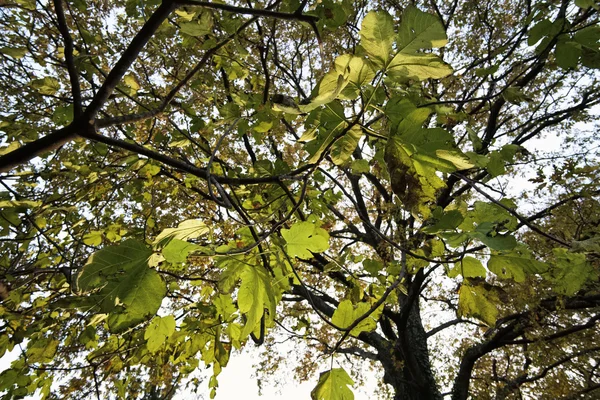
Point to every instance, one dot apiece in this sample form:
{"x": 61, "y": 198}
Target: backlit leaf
{"x": 159, "y": 330}
{"x": 333, "y": 385}
{"x": 255, "y": 296}
{"x": 377, "y": 36}
{"x": 125, "y": 286}
{"x": 419, "y": 66}
{"x": 305, "y": 238}
{"x": 478, "y": 302}
{"x": 468, "y": 267}
{"x": 342, "y": 149}
{"x": 516, "y": 265}
{"x": 346, "y": 313}
{"x": 190, "y": 229}
{"x": 420, "y": 30}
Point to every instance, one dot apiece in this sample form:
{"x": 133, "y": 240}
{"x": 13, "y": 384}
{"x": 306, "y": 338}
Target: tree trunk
{"x": 406, "y": 362}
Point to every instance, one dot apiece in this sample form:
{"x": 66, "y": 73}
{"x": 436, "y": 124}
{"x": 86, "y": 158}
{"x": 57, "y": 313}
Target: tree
{"x": 184, "y": 178}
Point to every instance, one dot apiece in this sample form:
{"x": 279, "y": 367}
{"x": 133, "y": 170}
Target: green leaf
{"x": 459, "y": 160}
{"x": 159, "y": 330}
{"x": 360, "y": 167}
{"x": 41, "y": 350}
{"x": 591, "y": 245}
{"x": 347, "y": 313}
{"x": 255, "y": 295}
{"x": 263, "y": 126}
{"x": 372, "y": 266}
{"x": 225, "y": 306}
{"x": 468, "y": 267}
{"x": 125, "y": 286}
{"x": 11, "y": 147}
{"x": 185, "y": 15}
{"x": 515, "y": 95}
{"x": 447, "y": 221}
{"x": 588, "y": 37}
{"x": 342, "y": 148}
{"x": 377, "y": 36}
{"x": 538, "y": 31}
{"x": 176, "y": 251}
{"x": 590, "y": 58}
{"x": 567, "y": 54}
{"x": 478, "y": 302}
{"x": 332, "y": 121}
{"x": 330, "y": 87}
{"x": 586, "y": 4}
{"x": 190, "y": 229}
{"x": 94, "y": 238}
{"x": 515, "y": 265}
{"x": 195, "y": 29}
{"x": 405, "y": 115}
{"x": 19, "y": 203}
{"x": 14, "y": 52}
{"x": 130, "y": 81}
{"x": 333, "y": 385}
{"x": 495, "y": 241}
{"x": 570, "y": 272}
{"x": 413, "y": 175}
{"x": 495, "y": 166}
{"x": 47, "y": 85}
{"x": 305, "y": 238}
{"x": 420, "y": 30}
{"x": 360, "y": 73}
{"x": 419, "y": 66}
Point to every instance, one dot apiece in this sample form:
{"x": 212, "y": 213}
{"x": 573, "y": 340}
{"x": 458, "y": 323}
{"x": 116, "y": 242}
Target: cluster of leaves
{"x": 161, "y": 208}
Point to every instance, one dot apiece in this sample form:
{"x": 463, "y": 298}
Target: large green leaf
{"x": 176, "y": 251}
{"x": 478, "y": 302}
{"x": 347, "y": 313}
{"x": 41, "y": 350}
{"x": 570, "y": 272}
{"x": 255, "y": 295}
{"x": 418, "y": 66}
{"x": 377, "y": 36}
{"x": 332, "y": 122}
{"x": 468, "y": 267}
{"x": 127, "y": 289}
{"x": 333, "y": 385}
{"x": 342, "y": 148}
{"x": 159, "y": 330}
{"x": 189, "y": 229}
{"x": 305, "y": 238}
{"x": 515, "y": 264}
{"x": 330, "y": 88}
{"x": 413, "y": 175}
{"x": 360, "y": 73}
{"x": 419, "y": 30}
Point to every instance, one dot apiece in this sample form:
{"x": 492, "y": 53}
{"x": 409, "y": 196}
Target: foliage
{"x": 182, "y": 179}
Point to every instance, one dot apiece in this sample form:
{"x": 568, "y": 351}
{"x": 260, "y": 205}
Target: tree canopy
{"x": 405, "y": 187}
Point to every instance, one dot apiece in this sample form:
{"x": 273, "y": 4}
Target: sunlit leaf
{"x": 468, "y": 267}
{"x": 255, "y": 297}
{"x": 333, "y": 385}
{"x": 346, "y": 313}
{"x": 125, "y": 286}
{"x": 158, "y": 331}
{"x": 419, "y": 66}
{"x": 190, "y": 229}
{"x": 305, "y": 238}
{"x": 377, "y": 36}
{"x": 419, "y": 30}
{"x": 478, "y": 302}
